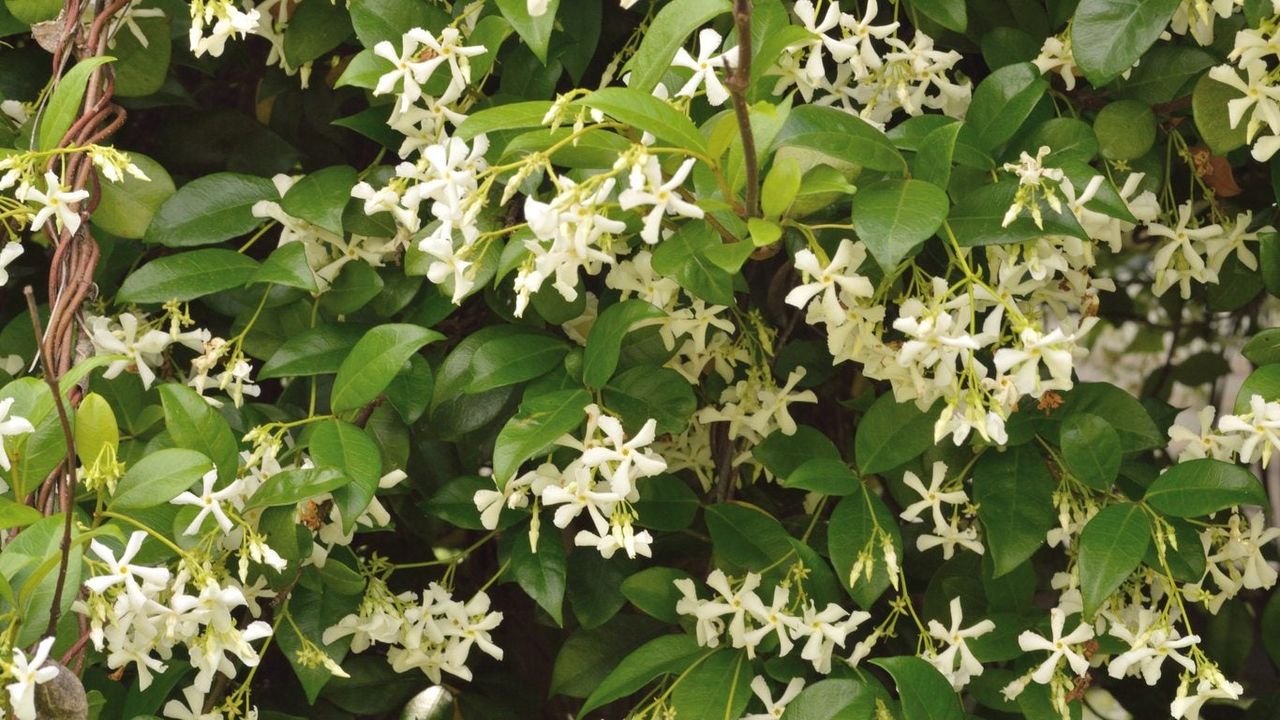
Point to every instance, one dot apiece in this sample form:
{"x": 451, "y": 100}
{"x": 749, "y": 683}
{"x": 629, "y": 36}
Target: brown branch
{"x": 68, "y": 464}
{"x": 738, "y": 80}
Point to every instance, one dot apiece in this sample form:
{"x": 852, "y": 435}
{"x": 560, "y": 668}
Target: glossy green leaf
{"x": 832, "y": 699}
{"x": 978, "y": 218}
{"x": 661, "y": 656}
{"x": 684, "y": 257}
{"x": 590, "y": 654}
{"x": 1112, "y": 546}
{"x": 541, "y": 574}
{"x": 538, "y": 422}
{"x": 1130, "y": 28}
{"x": 648, "y": 113}
{"x": 293, "y": 486}
{"x": 1014, "y": 494}
{"x": 194, "y": 425}
{"x": 287, "y": 265}
{"x": 316, "y": 351}
{"x": 210, "y": 209}
{"x": 932, "y": 163}
{"x": 645, "y": 391}
{"x": 1126, "y": 129}
{"x": 891, "y": 433}
{"x": 673, "y": 24}
{"x": 313, "y": 30}
{"x": 653, "y": 590}
{"x": 852, "y": 536}
{"x": 535, "y": 31}
{"x": 187, "y": 276}
{"x": 746, "y": 536}
{"x": 1209, "y": 103}
{"x": 510, "y": 116}
{"x": 718, "y": 687}
{"x": 841, "y": 136}
{"x": 345, "y": 447}
{"x": 924, "y": 693}
{"x": 514, "y": 358}
{"x": 378, "y": 20}
{"x": 1003, "y": 101}
{"x": 374, "y": 361}
{"x": 64, "y": 104}
{"x": 1263, "y": 348}
{"x": 1201, "y": 487}
{"x": 892, "y": 217}
{"x": 320, "y": 197}
{"x": 823, "y": 475}
{"x": 1263, "y": 382}
{"x": 1091, "y": 450}
{"x": 604, "y": 342}
{"x": 126, "y": 207}
{"x": 158, "y": 478}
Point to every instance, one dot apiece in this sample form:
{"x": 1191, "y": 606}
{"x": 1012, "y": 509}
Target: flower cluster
{"x": 1250, "y": 437}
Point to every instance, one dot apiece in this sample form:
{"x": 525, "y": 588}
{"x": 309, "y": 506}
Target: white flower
{"x": 827, "y": 630}
{"x": 121, "y": 571}
{"x": 1187, "y": 707}
{"x": 56, "y": 201}
{"x": 1260, "y": 428}
{"x": 704, "y": 67}
{"x": 209, "y": 501}
{"x": 663, "y": 196}
{"x": 1148, "y": 648}
{"x": 957, "y": 663}
{"x": 773, "y": 709}
{"x": 1205, "y": 444}
{"x": 932, "y": 497}
{"x": 10, "y": 426}
{"x": 536, "y": 8}
{"x": 839, "y": 282}
{"x": 26, "y": 675}
{"x": 629, "y": 458}
{"x": 140, "y": 352}
{"x": 8, "y": 254}
{"x": 192, "y": 709}
{"x": 1058, "y": 647}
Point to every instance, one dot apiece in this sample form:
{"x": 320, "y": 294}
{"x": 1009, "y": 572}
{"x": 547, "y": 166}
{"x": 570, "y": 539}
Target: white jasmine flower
{"x": 932, "y": 497}
{"x": 10, "y": 426}
{"x": 704, "y": 67}
{"x": 56, "y": 201}
{"x": 1058, "y": 646}
{"x": 26, "y": 675}
{"x": 8, "y": 254}
{"x": 773, "y": 709}
{"x": 210, "y": 502}
{"x": 957, "y": 662}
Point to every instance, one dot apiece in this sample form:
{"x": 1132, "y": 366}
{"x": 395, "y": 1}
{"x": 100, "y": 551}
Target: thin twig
{"x": 68, "y": 464}
{"x": 737, "y": 82}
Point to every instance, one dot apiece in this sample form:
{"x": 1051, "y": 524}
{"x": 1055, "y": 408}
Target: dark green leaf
{"x": 1003, "y": 101}
{"x": 210, "y": 209}
{"x": 978, "y": 219}
{"x": 320, "y": 197}
{"x": 669, "y": 29}
{"x": 1014, "y": 494}
{"x": 718, "y": 688}
{"x": 839, "y": 135}
{"x": 1263, "y": 348}
{"x": 374, "y": 361}
{"x": 1126, "y": 130}
{"x": 314, "y": 352}
{"x": 535, "y": 31}
{"x": 746, "y": 536}
{"x": 504, "y": 117}
{"x": 537, "y": 423}
{"x": 832, "y": 700}
{"x": 287, "y": 266}
{"x": 514, "y": 358}
{"x": 1130, "y": 28}
{"x": 1264, "y": 382}
{"x": 1201, "y": 487}
{"x": 193, "y": 425}
{"x": 925, "y": 694}
{"x": 851, "y": 532}
{"x": 345, "y": 447}
{"x": 293, "y": 486}
{"x": 823, "y": 475}
{"x": 683, "y": 257}
{"x": 653, "y": 590}
{"x": 541, "y": 574}
{"x": 187, "y": 276}
{"x": 1091, "y": 449}
{"x": 660, "y": 656}
{"x": 1112, "y": 546}
{"x": 604, "y": 342}
{"x": 894, "y": 216}
{"x": 891, "y": 433}
{"x": 644, "y": 392}
{"x": 1209, "y": 106}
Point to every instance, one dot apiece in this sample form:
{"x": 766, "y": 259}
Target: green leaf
{"x": 30, "y": 12}
{"x": 187, "y": 276}
{"x": 894, "y": 216}
{"x": 978, "y": 219}
{"x": 661, "y": 656}
{"x": 823, "y": 475}
{"x": 645, "y": 112}
{"x": 1187, "y": 561}
{"x": 320, "y": 197}
{"x": 590, "y": 654}
{"x": 345, "y": 447}
{"x": 538, "y": 422}
{"x": 653, "y": 590}
{"x": 832, "y": 700}
{"x": 288, "y": 266}
{"x": 1003, "y": 101}
{"x": 1205, "y": 486}
{"x": 1069, "y": 139}
{"x": 1014, "y": 494}
{"x": 541, "y": 574}
{"x": 1112, "y": 546}
{"x": 313, "y": 611}
{"x": 1269, "y": 257}
{"x": 852, "y": 531}
{"x": 1270, "y": 629}
{"x": 891, "y": 433}
{"x": 363, "y": 71}
{"x": 1209, "y": 106}
{"x": 15, "y": 514}
{"x": 514, "y": 358}
{"x": 293, "y": 486}
{"x": 1091, "y": 450}
{"x": 1263, "y": 348}
{"x": 1264, "y": 382}
{"x": 158, "y": 478}
{"x": 780, "y": 186}
{"x": 670, "y": 28}
{"x": 782, "y": 454}
{"x": 1126, "y": 130}
{"x": 313, "y": 30}
{"x": 842, "y": 136}
{"x": 932, "y": 162}
{"x": 209, "y": 209}
{"x": 64, "y": 104}
{"x": 139, "y": 70}
{"x": 604, "y": 342}
{"x": 746, "y": 536}
{"x": 1125, "y": 414}
{"x": 316, "y": 351}
{"x": 510, "y": 116}
{"x": 1130, "y": 28}
{"x": 1165, "y": 73}
{"x": 925, "y": 694}
{"x": 718, "y": 688}
{"x": 193, "y": 425}
{"x": 126, "y": 207}
{"x": 355, "y": 287}
{"x": 535, "y": 31}
{"x": 666, "y": 503}
{"x": 95, "y": 429}
{"x": 645, "y": 391}
{"x": 378, "y": 20}
{"x": 683, "y": 257}
{"x": 374, "y": 361}
{"x": 950, "y": 14}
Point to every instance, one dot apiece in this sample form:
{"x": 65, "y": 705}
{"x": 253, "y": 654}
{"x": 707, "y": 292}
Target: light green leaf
{"x": 646, "y": 112}
{"x": 158, "y": 478}
{"x": 511, "y": 116}
{"x": 894, "y": 216}
{"x": 653, "y": 590}
{"x": 674, "y": 23}
{"x": 374, "y": 361}
{"x": 127, "y": 207}
{"x": 839, "y": 135}
{"x": 1013, "y": 491}
{"x": 780, "y": 186}
{"x": 15, "y": 514}
{"x": 1129, "y": 27}
{"x": 1201, "y": 487}
{"x": 187, "y": 276}
{"x": 209, "y": 209}
{"x": 95, "y": 429}
{"x": 64, "y": 104}
{"x": 193, "y": 425}
{"x": 1263, "y": 382}
{"x": 832, "y": 700}
{"x": 1263, "y": 348}
{"x": 891, "y": 433}
{"x": 537, "y": 423}
{"x": 1112, "y": 545}
{"x": 1126, "y": 130}
{"x": 823, "y": 475}
{"x": 319, "y": 198}
{"x": 925, "y": 694}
